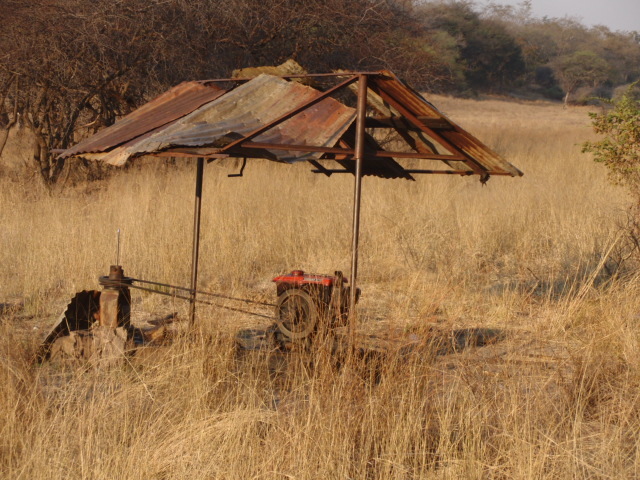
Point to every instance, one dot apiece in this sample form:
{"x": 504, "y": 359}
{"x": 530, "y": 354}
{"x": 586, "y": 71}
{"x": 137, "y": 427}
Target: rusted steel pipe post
{"x": 357, "y": 193}
{"x": 196, "y": 240}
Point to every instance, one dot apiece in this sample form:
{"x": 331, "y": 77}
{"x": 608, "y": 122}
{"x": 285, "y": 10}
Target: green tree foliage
{"x": 490, "y": 57}
{"x": 444, "y": 46}
{"x": 621, "y": 51}
{"x": 619, "y": 149}
{"x": 552, "y": 43}
{"x": 580, "y": 68}
{"x": 494, "y": 59}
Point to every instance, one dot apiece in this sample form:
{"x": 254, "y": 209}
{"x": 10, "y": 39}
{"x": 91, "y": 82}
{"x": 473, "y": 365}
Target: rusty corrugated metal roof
{"x": 241, "y": 111}
{"x": 271, "y": 117}
{"x": 473, "y": 148}
{"x": 164, "y": 109}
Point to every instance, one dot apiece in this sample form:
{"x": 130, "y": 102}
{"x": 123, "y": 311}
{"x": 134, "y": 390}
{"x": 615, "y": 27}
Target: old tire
{"x": 296, "y": 314}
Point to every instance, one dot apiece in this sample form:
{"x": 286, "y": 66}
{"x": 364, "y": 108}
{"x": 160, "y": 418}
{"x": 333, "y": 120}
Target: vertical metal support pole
{"x": 357, "y": 193}
{"x": 196, "y": 240}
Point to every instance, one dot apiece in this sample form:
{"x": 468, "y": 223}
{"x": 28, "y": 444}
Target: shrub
{"x": 619, "y": 149}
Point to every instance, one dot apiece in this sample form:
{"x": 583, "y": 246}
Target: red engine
{"x": 306, "y": 299}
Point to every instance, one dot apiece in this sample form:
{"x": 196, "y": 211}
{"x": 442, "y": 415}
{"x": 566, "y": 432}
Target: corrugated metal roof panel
{"x": 461, "y": 139}
{"x": 244, "y": 109}
{"x": 164, "y": 109}
{"x": 197, "y": 118}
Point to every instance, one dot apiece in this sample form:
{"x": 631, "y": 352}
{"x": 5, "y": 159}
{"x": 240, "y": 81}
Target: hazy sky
{"x": 615, "y": 14}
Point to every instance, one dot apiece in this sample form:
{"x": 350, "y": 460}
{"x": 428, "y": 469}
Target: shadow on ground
{"x": 436, "y": 340}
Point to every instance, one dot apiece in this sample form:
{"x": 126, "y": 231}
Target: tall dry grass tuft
{"x": 553, "y": 393}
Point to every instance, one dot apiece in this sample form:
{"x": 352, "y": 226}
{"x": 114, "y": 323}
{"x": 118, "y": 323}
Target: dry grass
{"x": 555, "y": 397}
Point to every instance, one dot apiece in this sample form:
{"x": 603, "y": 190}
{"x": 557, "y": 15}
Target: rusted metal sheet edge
{"x": 162, "y": 110}
{"x": 474, "y": 147}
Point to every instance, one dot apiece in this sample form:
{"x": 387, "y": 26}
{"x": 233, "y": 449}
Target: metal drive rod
{"x": 196, "y": 240}
{"x": 357, "y": 193}
{"x": 199, "y": 292}
{"x": 234, "y": 309}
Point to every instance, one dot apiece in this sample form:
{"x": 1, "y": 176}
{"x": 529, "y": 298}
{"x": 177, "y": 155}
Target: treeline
{"x": 70, "y": 67}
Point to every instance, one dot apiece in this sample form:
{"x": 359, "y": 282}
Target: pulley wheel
{"x": 296, "y": 314}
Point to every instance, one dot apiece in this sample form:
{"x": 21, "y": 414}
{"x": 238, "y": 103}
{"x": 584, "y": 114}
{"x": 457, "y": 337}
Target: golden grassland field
{"x": 536, "y": 258}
